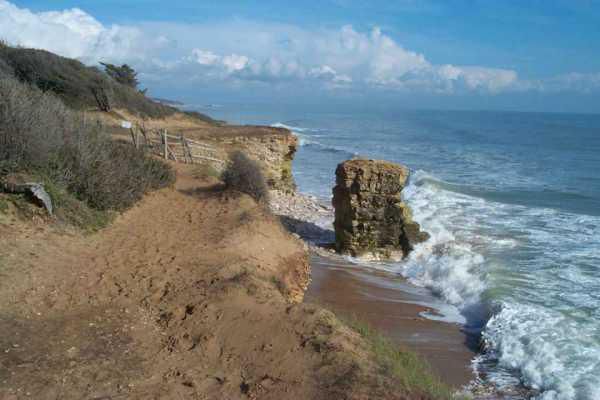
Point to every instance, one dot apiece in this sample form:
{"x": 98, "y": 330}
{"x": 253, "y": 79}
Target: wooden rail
{"x": 175, "y": 147}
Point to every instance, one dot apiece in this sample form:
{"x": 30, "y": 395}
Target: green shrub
{"x": 71, "y": 210}
{"x": 123, "y": 74}
{"x": 244, "y": 175}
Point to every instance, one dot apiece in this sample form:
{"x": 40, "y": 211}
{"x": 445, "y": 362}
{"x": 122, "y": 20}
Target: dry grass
{"x": 204, "y": 171}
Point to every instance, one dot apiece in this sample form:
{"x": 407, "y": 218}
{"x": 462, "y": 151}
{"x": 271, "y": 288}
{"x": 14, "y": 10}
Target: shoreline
{"x": 380, "y": 300}
{"x": 404, "y": 312}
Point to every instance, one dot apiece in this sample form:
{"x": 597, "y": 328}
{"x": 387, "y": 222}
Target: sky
{"x": 522, "y": 55}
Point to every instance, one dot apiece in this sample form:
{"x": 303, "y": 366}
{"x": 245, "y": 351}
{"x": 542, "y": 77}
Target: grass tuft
{"x": 414, "y": 374}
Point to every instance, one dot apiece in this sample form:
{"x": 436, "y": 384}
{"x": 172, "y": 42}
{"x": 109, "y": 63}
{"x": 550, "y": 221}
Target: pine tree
{"x": 123, "y": 74}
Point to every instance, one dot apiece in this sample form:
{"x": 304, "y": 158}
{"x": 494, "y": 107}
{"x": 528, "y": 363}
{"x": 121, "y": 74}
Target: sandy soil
{"x": 192, "y": 294}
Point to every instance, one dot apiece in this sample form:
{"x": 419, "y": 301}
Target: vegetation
{"x": 124, "y": 74}
{"x": 413, "y": 373}
{"x": 73, "y": 211}
{"x": 3, "y": 203}
{"x": 79, "y": 163}
{"x": 204, "y": 171}
{"x": 203, "y": 117}
{"x": 244, "y": 175}
{"x": 80, "y": 87}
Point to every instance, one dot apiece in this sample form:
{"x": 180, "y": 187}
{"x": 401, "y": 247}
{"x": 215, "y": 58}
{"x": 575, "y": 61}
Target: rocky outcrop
{"x": 273, "y": 148}
{"x": 275, "y": 152}
{"x": 371, "y": 220}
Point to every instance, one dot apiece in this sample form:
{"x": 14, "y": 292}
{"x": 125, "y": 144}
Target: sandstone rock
{"x": 371, "y": 220}
{"x": 275, "y": 150}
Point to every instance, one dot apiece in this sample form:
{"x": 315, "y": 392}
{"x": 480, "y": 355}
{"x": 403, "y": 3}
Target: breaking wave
{"x": 531, "y": 295}
{"x": 308, "y": 137}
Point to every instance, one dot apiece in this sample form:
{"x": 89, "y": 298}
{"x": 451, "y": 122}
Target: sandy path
{"x": 189, "y": 295}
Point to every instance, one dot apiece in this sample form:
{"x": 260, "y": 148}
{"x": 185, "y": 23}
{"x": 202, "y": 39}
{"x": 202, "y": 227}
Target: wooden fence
{"x": 174, "y": 147}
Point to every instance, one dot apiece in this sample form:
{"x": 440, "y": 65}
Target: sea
{"x": 512, "y": 203}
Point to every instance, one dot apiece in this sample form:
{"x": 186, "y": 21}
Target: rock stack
{"x": 371, "y": 220}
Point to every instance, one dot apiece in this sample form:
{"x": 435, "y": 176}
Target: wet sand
{"x": 393, "y": 306}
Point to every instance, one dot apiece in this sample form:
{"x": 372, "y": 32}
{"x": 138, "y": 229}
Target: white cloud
{"x": 478, "y": 78}
{"x": 203, "y": 57}
{"x": 235, "y": 62}
{"x": 238, "y": 51}
{"x": 73, "y": 33}
{"x": 574, "y": 81}
{"x": 327, "y": 73}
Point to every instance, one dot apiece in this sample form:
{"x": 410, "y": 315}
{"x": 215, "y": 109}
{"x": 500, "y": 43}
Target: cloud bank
{"x": 239, "y": 51}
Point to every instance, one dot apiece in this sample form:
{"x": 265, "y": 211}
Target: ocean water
{"x": 512, "y": 203}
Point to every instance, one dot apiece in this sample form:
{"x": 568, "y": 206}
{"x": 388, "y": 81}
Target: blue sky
{"x": 531, "y": 55}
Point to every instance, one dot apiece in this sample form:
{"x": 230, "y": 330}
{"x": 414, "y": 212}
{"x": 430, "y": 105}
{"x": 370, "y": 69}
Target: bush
{"x": 113, "y": 176}
{"x": 244, "y": 175}
{"x": 33, "y": 126}
{"x": 40, "y": 135}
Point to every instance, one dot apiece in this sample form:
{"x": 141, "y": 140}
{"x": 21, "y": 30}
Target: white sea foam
{"x": 302, "y": 133}
{"x": 542, "y": 280}
{"x": 288, "y": 127}
{"x": 302, "y": 138}
{"x": 448, "y": 263}
{"x": 554, "y": 354}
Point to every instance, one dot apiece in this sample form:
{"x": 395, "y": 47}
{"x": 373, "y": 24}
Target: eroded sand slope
{"x": 192, "y": 294}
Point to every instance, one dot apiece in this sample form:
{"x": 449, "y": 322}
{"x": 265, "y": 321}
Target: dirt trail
{"x": 192, "y": 294}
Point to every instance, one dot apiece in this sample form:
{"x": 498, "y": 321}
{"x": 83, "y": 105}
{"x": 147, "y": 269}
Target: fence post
{"x": 165, "y": 142}
{"x": 183, "y": 148}
{"x": 142, "y": 129}
{"x": 133, "y": 136}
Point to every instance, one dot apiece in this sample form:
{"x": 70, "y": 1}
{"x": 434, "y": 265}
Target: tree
{"x": 123, "y": 74}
